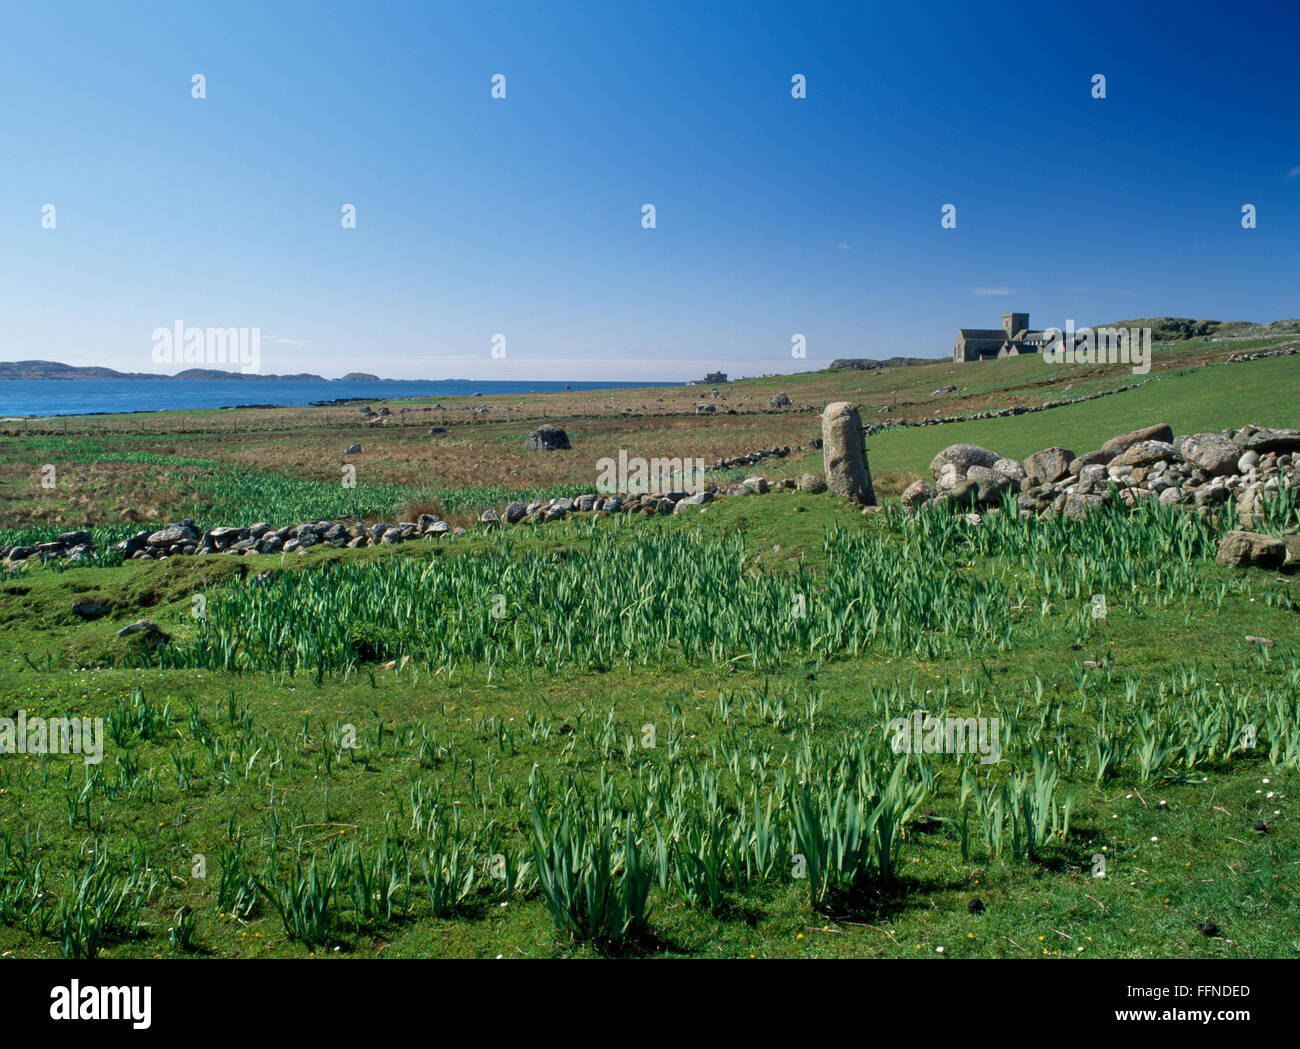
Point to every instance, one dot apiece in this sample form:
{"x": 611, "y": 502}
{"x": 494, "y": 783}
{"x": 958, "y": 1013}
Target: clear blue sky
{"x": 522, "y": 217}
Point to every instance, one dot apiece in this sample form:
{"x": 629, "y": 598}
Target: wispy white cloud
{"x": 999, "y": 290}
{"x": 843, "y": 247}
{"x": 286, "y": 342}
{"x": 1294, "y": 172}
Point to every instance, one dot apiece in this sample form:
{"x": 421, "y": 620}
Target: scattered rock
{"x": 147, "y": 629}
{"x": 1239, "y": 548}
{"x": 546, "y": 438}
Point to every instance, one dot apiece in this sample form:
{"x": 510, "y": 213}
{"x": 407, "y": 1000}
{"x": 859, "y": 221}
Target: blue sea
{"x": 23, "y": 397}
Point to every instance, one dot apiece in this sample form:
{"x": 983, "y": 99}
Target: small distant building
{"x": 710, "y": 379}
{"x": 1011, "y": 340}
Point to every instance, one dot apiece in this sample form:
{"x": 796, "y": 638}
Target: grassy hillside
{"x": 388, "y": 752}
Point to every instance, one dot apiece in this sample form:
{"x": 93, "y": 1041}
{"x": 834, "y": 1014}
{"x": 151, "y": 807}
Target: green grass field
{"x": 659, "y": 737}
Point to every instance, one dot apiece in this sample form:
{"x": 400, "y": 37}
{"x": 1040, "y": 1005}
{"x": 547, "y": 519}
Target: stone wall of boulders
{"x": 1239, "y": 358}
{"x": 187, "y": 538}
{"x": 1200, "y": 471}
{"x": 759, "y": 456}
{"x": 1002, "y": 413}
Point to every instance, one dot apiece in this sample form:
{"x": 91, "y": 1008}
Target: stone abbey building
{"x": 1011, "y": 340}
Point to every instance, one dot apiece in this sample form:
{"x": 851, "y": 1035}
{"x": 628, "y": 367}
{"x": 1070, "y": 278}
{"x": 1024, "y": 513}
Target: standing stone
{"x": 844, "y": 456}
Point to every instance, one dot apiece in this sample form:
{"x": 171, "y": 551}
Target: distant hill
{"x": 55, "y": 370}
{"x": 1178, "y": 329}
{"x": 360, "y": 377}
{"x": 866, "y": 364}
{"x": 217, "y": 373}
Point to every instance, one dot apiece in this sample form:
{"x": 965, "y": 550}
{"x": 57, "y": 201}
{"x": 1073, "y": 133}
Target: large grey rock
{"x": 1239, "y": 548}
{"x": 548, "y": 438}
{"x": 1211, "y": 453}
{"x": 778, "y": 400}
{"x": 1012, "y": 469}
{"x": 916, "y": 493}
{"x": 1253, "y": 439}
{"x": 844, "y": 454}
{"x": 515, "y": 513}
{"x": 173, "y": 533}
{"x": 89, "y": 608}
{"x": 146, "y": 627}
{"x": 812, "y": 483}
{"x": 1143, "y": 453}
{"x": 984, "y": 473}
{"x": 950, "y": 475}
{"x": 1051, "y": 464}
{"x": 1124, "y": 441}
{"x": 1079, "y": 504}
{"x": 1100, "y": 457}
{"x": 963, "y": 456}
{"x": 221, "y": 536}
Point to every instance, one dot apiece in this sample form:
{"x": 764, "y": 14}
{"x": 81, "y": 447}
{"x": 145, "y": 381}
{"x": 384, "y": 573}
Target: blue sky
{"x": 522, "y": 216}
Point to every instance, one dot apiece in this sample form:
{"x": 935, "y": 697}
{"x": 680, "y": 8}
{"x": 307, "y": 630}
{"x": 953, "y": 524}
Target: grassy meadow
{"x": 665, "y": 736}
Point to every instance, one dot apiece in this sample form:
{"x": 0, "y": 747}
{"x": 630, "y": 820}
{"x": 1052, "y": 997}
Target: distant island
{"x": 55, "y": 370}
